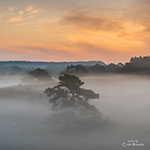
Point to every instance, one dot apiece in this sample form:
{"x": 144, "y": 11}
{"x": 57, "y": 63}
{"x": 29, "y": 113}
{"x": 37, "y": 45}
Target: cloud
{"x": 108, "y": 54}
{"x": 35, "y": 53}
{"x": 133, "y": 23}
{"x": 30, "y": 8}
{"x": 135, "y": 29}
{"x": 20, "y": 12}
{"x": 138, "y": 27}
{"x": 33, "y": 12}
{"x": 58, "y": 52}
{"x": 16, "y": 19}
{"x": 25, "y": 24}
{"x": 23, "y": 50}
{"x": 141, "y": 12}
{"x": 88, "y": 31}
{"x": 11, "y": 9}
{"x": 94, "y": 23}
{"x": 40, "y": 50}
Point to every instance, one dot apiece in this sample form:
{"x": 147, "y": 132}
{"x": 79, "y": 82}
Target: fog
{"x": 9, "y": 80}
{"x": 25, "y": 110}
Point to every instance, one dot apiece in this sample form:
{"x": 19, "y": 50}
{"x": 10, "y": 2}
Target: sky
{"x": 73, "y": 30}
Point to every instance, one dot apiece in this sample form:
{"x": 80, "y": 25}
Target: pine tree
{"x": 70, "y": 103}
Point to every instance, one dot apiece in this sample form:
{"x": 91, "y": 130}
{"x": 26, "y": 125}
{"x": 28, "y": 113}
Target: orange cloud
{"x": 17, "y": 14}
{"x": 85, "y": 21}
{"x": 11, "y": 9}
{"x": 84, "y": 33}
{"x": 16, "y": 19}
{"x": 34, "y": 11}
{"x": 30, "y": 8}
{"x": 20, "y": 12}
{"x": 139, "y": 21}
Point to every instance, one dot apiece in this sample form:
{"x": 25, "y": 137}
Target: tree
{"x": 76, "y": 70}
{"x": 70, "y": 103}
{"x": 96, "y": 69}
{"x": 141, "y": 63}
{"x": 16, "y": 70}
{"x": 37, "y": 75}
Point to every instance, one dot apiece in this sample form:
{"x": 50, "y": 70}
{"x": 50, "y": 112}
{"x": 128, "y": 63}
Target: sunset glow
{"x": 69, "y": 30}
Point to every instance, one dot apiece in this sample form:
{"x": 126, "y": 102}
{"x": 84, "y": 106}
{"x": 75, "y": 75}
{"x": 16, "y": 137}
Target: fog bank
{"x": 24, "y": 111}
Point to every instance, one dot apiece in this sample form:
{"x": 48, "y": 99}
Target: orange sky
{"x": 71, "y": 30}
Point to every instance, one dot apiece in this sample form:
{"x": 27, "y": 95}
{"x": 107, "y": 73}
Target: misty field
{"x": 25, "y": 111}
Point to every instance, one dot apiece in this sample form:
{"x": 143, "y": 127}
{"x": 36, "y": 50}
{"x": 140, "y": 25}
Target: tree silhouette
{"x": 96, "y": 69}
{"x": 142, "y": 63}
{"x": 16, "y": 70}
{"x": 76, "y": 70}
{"x": 37, "y": 75}
{"x": 70, "y": 103}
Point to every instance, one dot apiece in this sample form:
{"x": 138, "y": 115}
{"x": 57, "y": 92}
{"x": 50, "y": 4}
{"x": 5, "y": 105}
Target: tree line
{"x": 135, "y": 65}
